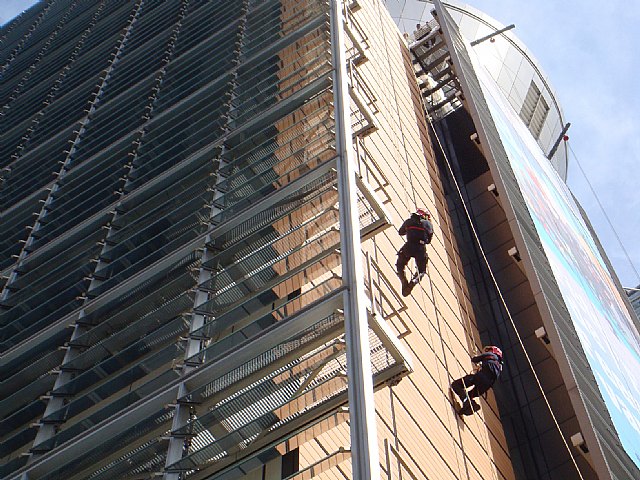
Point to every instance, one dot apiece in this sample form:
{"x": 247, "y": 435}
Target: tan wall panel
{"x": 419, "y": 434}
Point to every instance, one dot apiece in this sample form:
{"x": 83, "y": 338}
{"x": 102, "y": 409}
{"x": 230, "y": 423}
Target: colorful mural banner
{"x": 604, "y": 326}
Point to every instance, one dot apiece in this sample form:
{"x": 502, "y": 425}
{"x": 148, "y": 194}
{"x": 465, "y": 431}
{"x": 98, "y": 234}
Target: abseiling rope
{"x": 502, "y": 300}
{"x": 606, "y": 216}
{"x": 483, "y": 440}
{"x": 466, "y": 323}
{"x": 450, "y": 377}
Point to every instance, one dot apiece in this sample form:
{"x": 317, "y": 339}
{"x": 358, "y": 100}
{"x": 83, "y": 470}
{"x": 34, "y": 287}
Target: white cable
{"x": 624, "y": 250}
{"x": 502, "y": 300}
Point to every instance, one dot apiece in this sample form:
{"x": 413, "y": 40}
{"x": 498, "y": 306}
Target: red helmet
{"x": 422, "y": 213}
{"x": 493, "y": 349}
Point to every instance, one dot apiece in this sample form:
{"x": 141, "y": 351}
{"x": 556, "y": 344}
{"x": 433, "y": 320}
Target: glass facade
{"x": 175, "y": 166}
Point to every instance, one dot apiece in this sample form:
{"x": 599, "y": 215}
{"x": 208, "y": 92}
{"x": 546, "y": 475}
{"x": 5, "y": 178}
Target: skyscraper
{"x": 198, "y": 251}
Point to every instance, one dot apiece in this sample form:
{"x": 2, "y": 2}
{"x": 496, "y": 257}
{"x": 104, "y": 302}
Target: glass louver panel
{"x": 32, "y": 289}
{"x": 40, "y": 77}
{"x": 154, "y": 205}
{"x": 31, "y": 44}
{"x": 12, "y": 133}
{"x": 56, "y": 49}
{"x": 17, "y": 396}
{"x": 117, "y": 344}
{"x": 166, "y": 297}
{"x": 32, "y": 309}
{"x": 260, "y": 418}
{"x": 198, "y": 24}
{"x": 16, "y": 31}
{"x": 87, "y": 66}
{"x": 153, "y": 249}
{"x": 277, "y": 249}
{"x": 13, "y": 465}
{"x": 168, "y": 144}
{"x": 142, "y": 291}
{"x": 23, "y": 363}
{"x": 62, "y": 114}
{"x": 534, "y": 110}
{"x": 197, "y": 70}
{"x": 207, "y": 64}
{"x": 263, "y": 311}
{"x": 156, "y": 19}
{"x": 20, "y": 439}
{"x": 316, "y": 217}
{"x": 61, "y": 220}
{"x": 32, "y": 109}
{"x": 140, "y": 304}
{"x": 257, "y": 422}
{"x": 305, "y": 194}
{"x": 41, "y": 262}
{"x": 255, "y": 154}
{"x": 279, "y": 390}
{"x": 229, "y": 292}
{"x": 158, "y": 421}
{"x": 76, "y": 23}
{"x": 15, "y": 229}
{"x": 114, "y": 120}
{"x": 34, "y": 171}
{"x": 107, "y": 354}
{"x": 54, "y": 13}
{"x": 271, "y": 22}
{"x": 15, "y": 410}
{"x": 34, "y": 320}
{"x": 113, "y": 19}
{"x": 120, "y": 404}
{"x": 135, "y": 234}
{"x": 125, "y": 368}
{"x": 262, "y": 184}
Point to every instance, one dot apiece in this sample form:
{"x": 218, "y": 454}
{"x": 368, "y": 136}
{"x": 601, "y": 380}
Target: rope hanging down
{"x": 502, "y": 300}
{"x": 624, "y": 250}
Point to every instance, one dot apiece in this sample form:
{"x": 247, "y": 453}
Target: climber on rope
{"x": 489, "y": 367}
{"x": 419, "y": 231}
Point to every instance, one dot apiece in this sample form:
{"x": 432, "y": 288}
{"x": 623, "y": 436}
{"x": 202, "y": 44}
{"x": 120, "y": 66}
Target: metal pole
{"x": 552, "y": 152}
{"x": 364, "y": 443}
{"x": 491, "y": 35}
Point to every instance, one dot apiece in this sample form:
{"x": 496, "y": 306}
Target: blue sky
{"x": 11, "y": 8}
{"x": 588, "y": 49}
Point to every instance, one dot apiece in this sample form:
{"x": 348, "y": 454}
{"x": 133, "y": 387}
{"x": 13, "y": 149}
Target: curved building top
{"x": 519, "y": 77}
